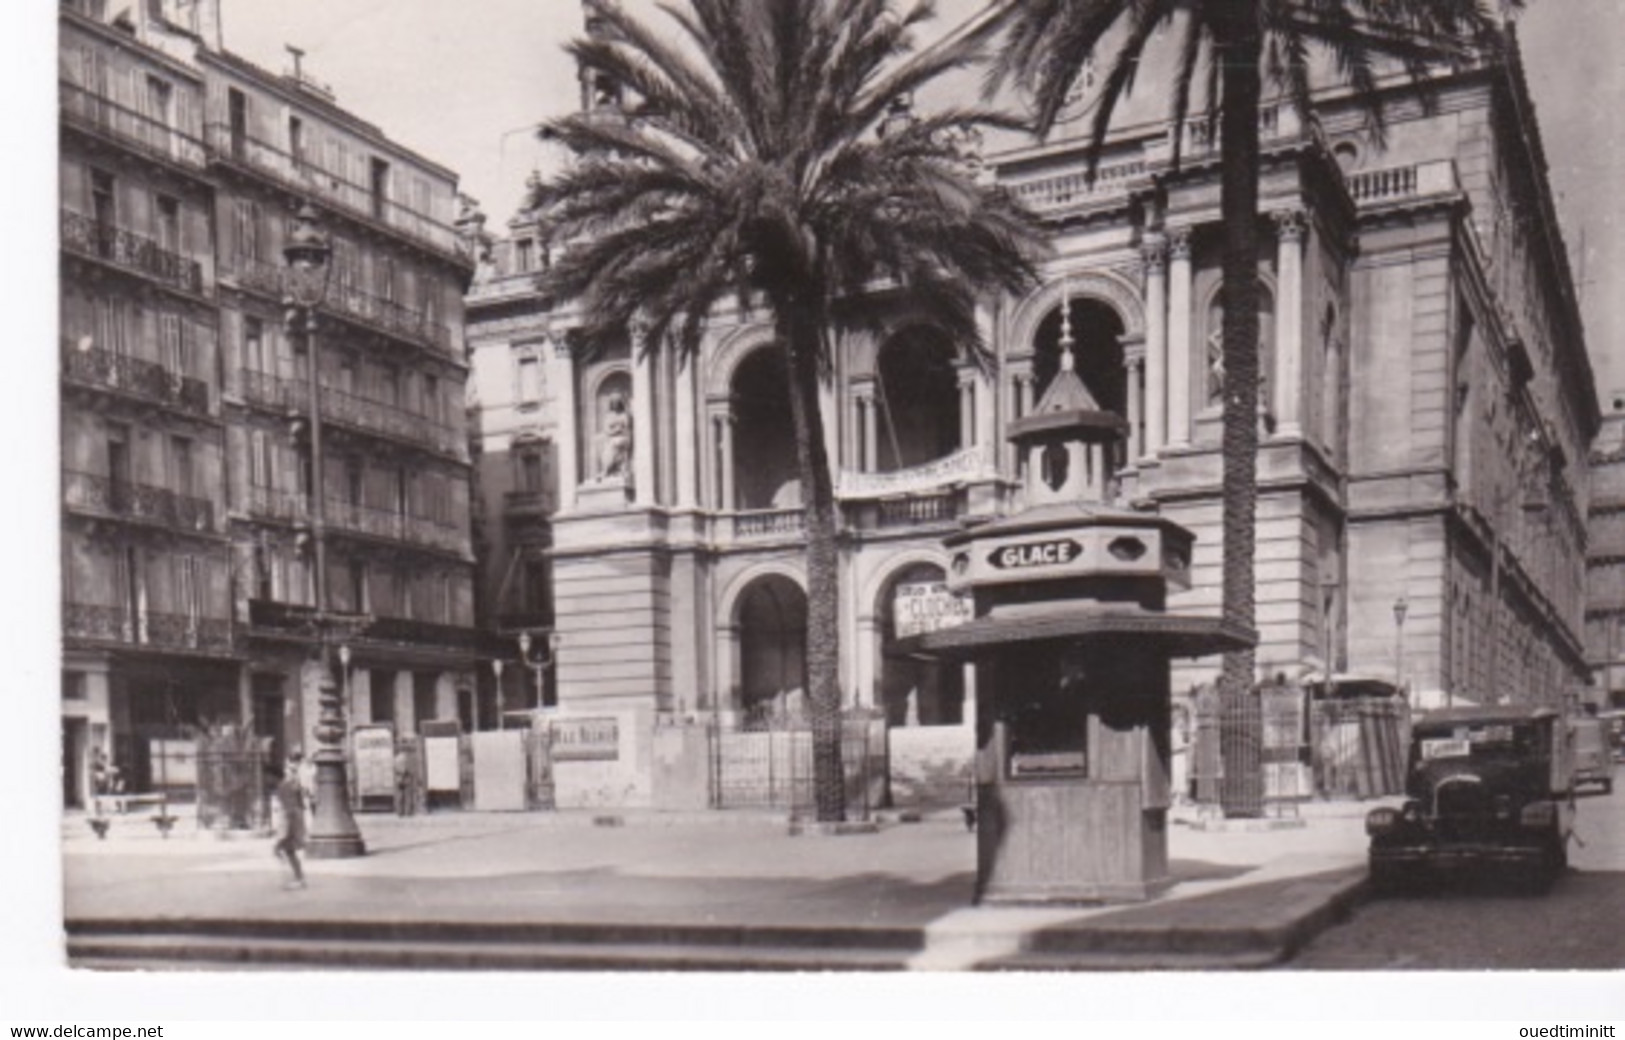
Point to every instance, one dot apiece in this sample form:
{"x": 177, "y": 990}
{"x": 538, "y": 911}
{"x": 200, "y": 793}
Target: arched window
{"x": 916, "y": 400}
{"x": 765, "y": 474}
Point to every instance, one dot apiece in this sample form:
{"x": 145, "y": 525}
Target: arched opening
{"x": 1097, "y": 356}
{"x": 1212, "y": 388}
{"x": 772, "y": 620}
{"x": 764, "y": 453}
{"x": 917, "y": 399}
{"x": 916, "y": 691}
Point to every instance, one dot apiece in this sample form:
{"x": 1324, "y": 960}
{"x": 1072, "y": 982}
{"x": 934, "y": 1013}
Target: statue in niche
{"x": 615, "y": 442}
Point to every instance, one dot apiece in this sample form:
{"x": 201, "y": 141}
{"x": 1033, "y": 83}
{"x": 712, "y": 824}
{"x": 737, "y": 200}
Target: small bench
{"x": 123, "y": 805}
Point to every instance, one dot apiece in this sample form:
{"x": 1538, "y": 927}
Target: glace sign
{"x": 1053, "y": 552}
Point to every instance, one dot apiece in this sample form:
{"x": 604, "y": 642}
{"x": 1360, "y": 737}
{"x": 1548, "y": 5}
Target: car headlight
{"x": 1379, "y": 821}
{"x": 1538, "y": 814}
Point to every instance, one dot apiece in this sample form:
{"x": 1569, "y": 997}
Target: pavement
{"x": 722, "y": 891}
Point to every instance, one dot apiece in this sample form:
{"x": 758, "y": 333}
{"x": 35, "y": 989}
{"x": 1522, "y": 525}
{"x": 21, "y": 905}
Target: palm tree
{"x": 745, "y": 164}
{"x": 1233, "y": 45}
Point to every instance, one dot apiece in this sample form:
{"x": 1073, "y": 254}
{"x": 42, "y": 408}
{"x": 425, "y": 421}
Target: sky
{"x": 466, "y": 83}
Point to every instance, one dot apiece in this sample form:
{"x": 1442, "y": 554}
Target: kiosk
{"x": 1072, "y": 645}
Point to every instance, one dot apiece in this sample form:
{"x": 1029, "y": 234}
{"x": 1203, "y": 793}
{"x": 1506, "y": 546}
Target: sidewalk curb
{"x": 1133, "y": 938}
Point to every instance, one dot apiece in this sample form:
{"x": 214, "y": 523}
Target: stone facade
{"x": 1425, "y": 414}
{"x": 189, "y": 472}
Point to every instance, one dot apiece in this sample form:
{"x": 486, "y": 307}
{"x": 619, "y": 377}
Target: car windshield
{"x": 1476, "y": 740}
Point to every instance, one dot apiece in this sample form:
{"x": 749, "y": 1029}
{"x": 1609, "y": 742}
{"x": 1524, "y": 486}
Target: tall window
{"x": 189, "y": 587}
{"x": 296, "y": 140}
{"x": 169, "y": 223}
{"x": 180, "y": 465}
{"x": 104, "y": 211}
{"x": 379, "y": 184}
{"x": 253, "y": 344}
{"x": 172, "y": 344}
{"x": 524, "y": 255}
{"x": 530, "y": 381}
{"x": 431, "y": 398}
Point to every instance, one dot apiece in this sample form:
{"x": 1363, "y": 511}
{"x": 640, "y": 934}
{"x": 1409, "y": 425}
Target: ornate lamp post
{"x": 333, "y": 831}
{"x": 1401, "y": 605}
{"x": 541, "y": 664}
{"x": 496, "y": 674}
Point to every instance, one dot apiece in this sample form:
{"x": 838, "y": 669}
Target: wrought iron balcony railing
{"x": 272, "y": 391}
{"x": 97, "y": 113}
{"x": 126, "y": 249}
{"x": 434, "y": 633}
{"x": 308, "y": 177}
{"x": 105, "y": 624}
{"x": 104, "y": 496}
{"x": 388, "y": 315}
{"x": 377, "y": 417}
{"x": 400, "y": 527}
{"x": 104, "y": 369}
{"x": 275, "y": 504}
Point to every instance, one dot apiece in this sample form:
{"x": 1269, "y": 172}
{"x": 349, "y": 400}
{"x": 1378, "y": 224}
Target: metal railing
{"x": 377, "y": 417}
{"x": 101, "y": 623}
{"x": 273, "y": 391}
{"x": 126, "y": 249}
{"x": 102, "y": 495}
{"x": 148, "y": 380}
{"x": 276, "y": 504}
{"x": 411, "y": 630}
{"x": 400, "y": 527}
{"x": 96, "y": 112}
{"x": 387, "y": 315}
{"x": 306, "y": 176}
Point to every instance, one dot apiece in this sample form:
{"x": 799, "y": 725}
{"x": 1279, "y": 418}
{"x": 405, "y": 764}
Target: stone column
{"x": 868, "y": 442}
{"x": 688, "y": 469}
{"x": 1155, "y": 253}
{"x": 723, "y": 425}
{"x": 1289, "y": 227}
{"x": 1136, "y": 442}
{"x": 967, "y": 408}
{"x": 563, "y": 378}
{"x": 643, "y": 422}
{"x": 1179, "y": 337}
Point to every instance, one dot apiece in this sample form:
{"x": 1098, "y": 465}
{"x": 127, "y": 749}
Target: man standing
{"x": 290, "y": 796}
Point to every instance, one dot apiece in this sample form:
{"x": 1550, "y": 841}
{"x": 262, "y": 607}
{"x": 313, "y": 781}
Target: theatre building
{"x": 1425, "y": 414}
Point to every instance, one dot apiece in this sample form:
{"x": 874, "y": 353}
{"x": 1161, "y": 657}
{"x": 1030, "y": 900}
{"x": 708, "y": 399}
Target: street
{"x": 1580, "y": 923}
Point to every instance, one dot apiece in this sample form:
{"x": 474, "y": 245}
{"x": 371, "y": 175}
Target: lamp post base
{"x": 333, "y": 832}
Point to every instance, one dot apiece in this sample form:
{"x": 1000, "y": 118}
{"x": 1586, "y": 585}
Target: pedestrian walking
{"x": 290, "y": 796}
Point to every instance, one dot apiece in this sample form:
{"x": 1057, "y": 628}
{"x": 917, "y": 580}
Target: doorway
{"x": 75, "y": 749}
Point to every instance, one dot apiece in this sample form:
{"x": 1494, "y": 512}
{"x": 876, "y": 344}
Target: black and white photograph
{"x": 1093, "y": 493}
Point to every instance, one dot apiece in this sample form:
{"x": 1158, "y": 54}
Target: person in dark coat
{"x": 290, "y": 796}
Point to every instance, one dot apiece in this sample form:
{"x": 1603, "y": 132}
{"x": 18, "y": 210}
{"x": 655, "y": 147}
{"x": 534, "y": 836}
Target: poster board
{"x": 499, "y": 770}
{"x": 442, "y": 764}
{"x": 921, "y": 607}
{"x": 372, "y": 748}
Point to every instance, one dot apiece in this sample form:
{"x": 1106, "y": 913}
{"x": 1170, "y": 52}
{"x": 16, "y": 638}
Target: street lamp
{"x": 496, "y": 673}
{"x": 1401, "y": 605}
{"x": 333, "y": 831}
{"x": 541, "y": 665}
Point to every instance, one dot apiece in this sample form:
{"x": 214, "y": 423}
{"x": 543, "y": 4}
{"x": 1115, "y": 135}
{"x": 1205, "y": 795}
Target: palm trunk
{"x": 1240, "y": 44}
{"x": 800, "y": 332}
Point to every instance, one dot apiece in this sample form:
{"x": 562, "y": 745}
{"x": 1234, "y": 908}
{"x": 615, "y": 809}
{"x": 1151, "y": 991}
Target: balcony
{"x": 522, "y": 506}
{"x": 398, "y": 527}
{"x": 768, "y": 523}
{"x": 371, "y": 416}
{"x": 269, "y": 391}
{"x": 99, "y": 115}
{"x": 1047, "y": 196}
{"x": 261, "y": 276}
{"x": 273, "y": 504}
{"x": 182, "y": 632}
{"x": 306, "y": 177}
{"x": 104, "y": 369}
{"x": 132, "y": 252}
{"x": 99, "y": 495}
{"x": 418, "y": 633}
{"x": 1402, "y": 183}
{"x": 920, "y": 510}
{"x": 387, "y": 316}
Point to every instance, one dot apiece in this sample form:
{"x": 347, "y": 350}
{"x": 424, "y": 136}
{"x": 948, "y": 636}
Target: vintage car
{"x": 1485, "y": 786}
